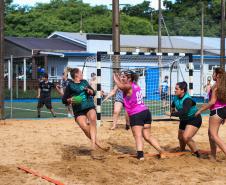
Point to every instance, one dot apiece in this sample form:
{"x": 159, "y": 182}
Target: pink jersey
{"x": 217, "y": 104}
{"x": 134, "y": 104}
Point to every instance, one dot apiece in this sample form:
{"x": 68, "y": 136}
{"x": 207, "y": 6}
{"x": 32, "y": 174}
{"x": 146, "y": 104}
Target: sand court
{"x": 57, "y": 148}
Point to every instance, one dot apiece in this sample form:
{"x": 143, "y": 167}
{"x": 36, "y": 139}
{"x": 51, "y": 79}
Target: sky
{"x": 154, "y": 3}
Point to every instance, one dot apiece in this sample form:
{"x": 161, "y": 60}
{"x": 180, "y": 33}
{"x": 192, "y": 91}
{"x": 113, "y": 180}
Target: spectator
{"x": 164, "y": 88}
{"x": 93, "y": 81}
{"x": 207, "y": 89}
{"x": 61, "y": 89}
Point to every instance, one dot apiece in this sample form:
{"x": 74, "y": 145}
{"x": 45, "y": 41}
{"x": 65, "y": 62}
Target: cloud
{"x": 154, "y": 3}
{"x": 29, "y": 2}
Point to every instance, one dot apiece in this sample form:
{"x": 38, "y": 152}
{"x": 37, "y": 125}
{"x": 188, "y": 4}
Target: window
{"x": 53, "y": 71}
{"x": 175, "y": 67}
{"x": 197, "y": 67}
{"x": 212, "y": 67}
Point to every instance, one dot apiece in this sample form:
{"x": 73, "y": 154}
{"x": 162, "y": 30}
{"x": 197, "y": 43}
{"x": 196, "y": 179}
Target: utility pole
{"x": 2, "y": 84}
{"x": 202, "y": 53}
{"x": 160, "y": 41}
{"x": 115, "y": 26}
{"x": 116, "y": 35}
{"x": 159, "y": 28}
{"x": 222, "y": 58}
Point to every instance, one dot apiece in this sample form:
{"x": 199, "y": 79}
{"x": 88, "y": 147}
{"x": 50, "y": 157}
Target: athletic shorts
{"x": 221, "y": 112}
{"x": 83, "y": 113}
{"x": 44, "y": 101}
{"x": 119, "y": 97}
{"x": 140, "y": 118}
{"x": 195, "y": 121}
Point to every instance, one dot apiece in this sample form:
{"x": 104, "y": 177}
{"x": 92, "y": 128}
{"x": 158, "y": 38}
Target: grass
{"x": 29, "y": 110}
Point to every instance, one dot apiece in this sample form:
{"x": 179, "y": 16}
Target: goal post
{"x": 176, "y": 66}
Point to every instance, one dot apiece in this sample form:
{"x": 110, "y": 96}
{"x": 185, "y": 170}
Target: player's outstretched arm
{"x": 125, "y": 87}
{"x": 210, "y": 103}
{"x": 112, "y": 93}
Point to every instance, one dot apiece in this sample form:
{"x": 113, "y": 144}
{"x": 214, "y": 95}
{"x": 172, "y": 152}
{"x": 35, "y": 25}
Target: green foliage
{"x": 139, "y": 10}
{"x": 182, "y": 18}
{"x": 135, "y": 25}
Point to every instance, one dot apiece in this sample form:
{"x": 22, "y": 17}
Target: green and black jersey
{"x": 186, "y": 107}
{"x": 78, "y": 89}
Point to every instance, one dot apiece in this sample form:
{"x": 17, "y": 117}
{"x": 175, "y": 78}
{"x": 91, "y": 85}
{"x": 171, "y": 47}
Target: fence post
{"x": 191, "y": 67}
{"x": 98, "y": 65}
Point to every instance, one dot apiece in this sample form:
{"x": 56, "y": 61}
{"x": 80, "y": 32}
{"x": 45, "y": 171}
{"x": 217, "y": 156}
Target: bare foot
{"x": 163, "y": 155}
{"x": 96, "y": 154}
{"x": 105, "y": 148}
{"x": 212, "y": 158}
{"x": 113, "y": 127}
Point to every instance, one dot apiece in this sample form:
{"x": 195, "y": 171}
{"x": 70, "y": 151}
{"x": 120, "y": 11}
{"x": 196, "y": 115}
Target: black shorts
{"x": 164, "y": 96}
{"x": 140, "y": 118}
{"x": 221, "y": 112}
{"x": 44, "y": 101}
{"x": 195, "y": 121}
{"x": 83, "y": 112}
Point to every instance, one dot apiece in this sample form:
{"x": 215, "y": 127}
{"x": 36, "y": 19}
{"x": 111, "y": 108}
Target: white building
{"x": 176, "y": 44}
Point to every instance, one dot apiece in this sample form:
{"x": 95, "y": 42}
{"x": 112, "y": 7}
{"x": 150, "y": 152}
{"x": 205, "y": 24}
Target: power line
{"x": 222, "y": 60}
{"x": 2, "y": 84}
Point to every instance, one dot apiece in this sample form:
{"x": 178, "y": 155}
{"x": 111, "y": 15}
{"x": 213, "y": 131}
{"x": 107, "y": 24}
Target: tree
{"x": 140, "y": 10}
{"x": 182, "y": 18}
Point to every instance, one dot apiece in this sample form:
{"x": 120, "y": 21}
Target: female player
{"x": 61, "y": 88}
{"x": 83, "y": 107}
{"x": 184, "y": 107}
{"x": 139, "y": 115}
{"x": 217, "y": 106}
{"x": 118, "y": 104}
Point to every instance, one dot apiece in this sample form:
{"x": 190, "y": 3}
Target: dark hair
{"x": 45, "y": 75}
{"x": 219, "y": 71}
{"x": 183, "y": 86}
{"x": 134, "y": 76}
{"x": 64, "y": 74}
{"x": 221, "y": 88}
{"x": 73, "y": 72}
{"x": 166, "y": 77}
{"x": 93, "y": 74}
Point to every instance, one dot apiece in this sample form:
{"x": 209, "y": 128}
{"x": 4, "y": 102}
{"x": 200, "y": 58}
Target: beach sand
{"x": 57, "y": 148}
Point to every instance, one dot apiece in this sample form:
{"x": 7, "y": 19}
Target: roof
{"x": 75, "y": 37}
{"x": 211, "y": 44}
{"x": 69, "y": 54}
{"x": 52, "y": 44}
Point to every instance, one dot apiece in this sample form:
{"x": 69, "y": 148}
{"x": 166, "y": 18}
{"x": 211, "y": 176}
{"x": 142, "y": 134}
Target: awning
{"x": 68, "y": 54}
